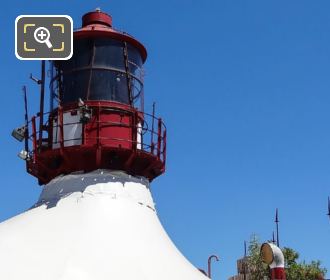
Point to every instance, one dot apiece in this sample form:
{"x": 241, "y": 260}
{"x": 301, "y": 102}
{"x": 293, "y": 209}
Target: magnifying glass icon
{"x": 41, "y": 35}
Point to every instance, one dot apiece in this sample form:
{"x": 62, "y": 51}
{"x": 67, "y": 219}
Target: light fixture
{"x": 85, "y": 114}
{"x": 24, "y": 155}
{"x": 19, "y": 133}
{"x": 81, "y": 102}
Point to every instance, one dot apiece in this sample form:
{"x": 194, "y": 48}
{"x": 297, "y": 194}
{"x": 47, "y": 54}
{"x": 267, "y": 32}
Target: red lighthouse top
{"x": 96, "y": 17}
{"x": 97, "y": 23}
{"x": 96, "y": 118}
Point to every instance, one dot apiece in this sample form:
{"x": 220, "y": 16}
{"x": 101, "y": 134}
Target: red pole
{"x": 164, "y": 147}
{"x": 98, "y": 121}
{"x": 159, "y": 140}
{"x": 152, "y": 128}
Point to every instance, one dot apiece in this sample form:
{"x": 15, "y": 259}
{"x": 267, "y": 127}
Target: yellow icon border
{"x": 26, "y": 49}
{"x": 60, "y": 48}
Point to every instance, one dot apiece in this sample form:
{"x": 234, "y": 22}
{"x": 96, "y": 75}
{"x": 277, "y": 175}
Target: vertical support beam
{"x": 42, "y": 101}
{"x": 26, "y": 117}
{"x": 159, "y": 140}
{"x": 277, "y": 229}
{"x": 273, "y": 238}
{"x": 90, "y": 73}
{"x": 153, "y": 128}
{"x": 34, "y": 138}
{"x": 164, "y": 147}
{"x": 128, "y": 75}
{"x": 98, "y": 120}
{"x": 61, "y": 128}
{"x": 98, "y": 155}
{"x": 135, "y": 122}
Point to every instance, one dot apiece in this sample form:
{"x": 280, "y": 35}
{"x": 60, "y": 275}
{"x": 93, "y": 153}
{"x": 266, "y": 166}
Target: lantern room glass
{"x": 100, "y": 69}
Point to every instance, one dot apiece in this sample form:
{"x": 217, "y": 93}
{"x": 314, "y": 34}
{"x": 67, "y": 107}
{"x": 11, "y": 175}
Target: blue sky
{"x": 244, "y": 89}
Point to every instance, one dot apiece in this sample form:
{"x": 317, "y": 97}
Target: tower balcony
{"x": 96, "y": 135}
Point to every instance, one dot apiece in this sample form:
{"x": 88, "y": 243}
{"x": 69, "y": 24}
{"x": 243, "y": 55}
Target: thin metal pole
{"x": 42, "y": 100}
{"x": 209, "y": 261}
{"x": 273, "y": 238}
{"x": 277, "y": 229}
{"x": 328, "y": 206}
{"x": 153, "y": 127}
{"x": 128, "y": 74}
{"x": 159, "y": 137}
{"x": 26, "y": 120}
{"x": 34, "y": 138}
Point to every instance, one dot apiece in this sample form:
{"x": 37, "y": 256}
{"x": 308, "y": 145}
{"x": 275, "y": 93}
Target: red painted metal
{"x": 278, "y": 273}
{"x": 164, "y": 147}
{"x": 96, "y": 17}
{"x": 110, "y": 142}
{"x": 96, "y": 24}
{"x": 159, "y": 142}
{"x": 98, "y": 134}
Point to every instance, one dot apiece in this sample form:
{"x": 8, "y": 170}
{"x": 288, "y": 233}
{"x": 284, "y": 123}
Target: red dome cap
{"x": 96, "y": 17}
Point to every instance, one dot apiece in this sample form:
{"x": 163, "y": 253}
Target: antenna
{"x": 277, "y": 231}
{"x": 273, "y": 238}
{"x": 26, "y": 117}
{"x": 328, "y": 206}
{"x": 42, "y": 98}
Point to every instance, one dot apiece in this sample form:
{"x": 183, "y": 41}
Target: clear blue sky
{"x": 244, "y": 88}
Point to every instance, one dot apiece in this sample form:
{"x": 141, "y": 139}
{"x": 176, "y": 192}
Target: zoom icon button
{"x": 43, "y": 37}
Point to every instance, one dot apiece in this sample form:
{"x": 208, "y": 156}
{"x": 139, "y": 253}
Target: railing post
{"x": 34, "y": 138}
{"x": 159, "y": 140}
{"x": 51, "y": 131}
{"x": 98, "y": 120}
{"x": 98, "y": 156}
{"x": 26, "y": 140}
{"x": 152, "y": 146}
{"x": 135, "y": 131}
{"x": 60, "y": 124}
{"x": 164, "y": 147}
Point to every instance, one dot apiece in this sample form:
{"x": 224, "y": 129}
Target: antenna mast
{"x": 328, "y": 206}
{"x": 277, "y": 230}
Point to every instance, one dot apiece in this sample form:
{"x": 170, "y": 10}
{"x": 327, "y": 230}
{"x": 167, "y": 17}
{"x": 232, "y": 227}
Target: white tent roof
{"x": 96, "y": 226}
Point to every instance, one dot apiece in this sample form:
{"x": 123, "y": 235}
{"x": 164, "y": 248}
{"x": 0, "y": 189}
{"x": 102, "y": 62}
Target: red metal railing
{"x": 144, "y": 137}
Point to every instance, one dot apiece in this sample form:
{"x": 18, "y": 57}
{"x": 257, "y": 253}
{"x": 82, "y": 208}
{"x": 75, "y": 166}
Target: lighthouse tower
{"x": 95, "y": 153}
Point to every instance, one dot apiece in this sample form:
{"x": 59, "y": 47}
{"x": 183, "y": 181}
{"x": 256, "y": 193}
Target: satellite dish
{"x": 266, "y": 252}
